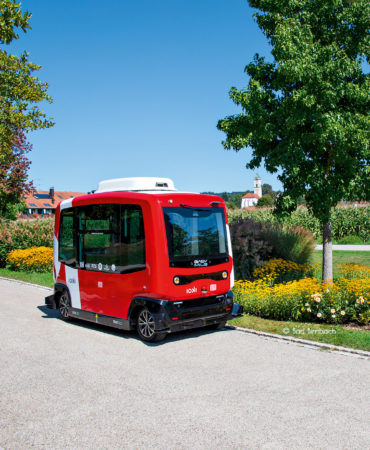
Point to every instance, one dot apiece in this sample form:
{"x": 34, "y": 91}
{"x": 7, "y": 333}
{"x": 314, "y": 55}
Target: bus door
{"x": 111, "y": 249}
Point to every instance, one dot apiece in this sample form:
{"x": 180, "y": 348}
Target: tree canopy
{"x": 20, "y": 89}
{"x": 20, "y": 94}
{"x": 305, "y": 112}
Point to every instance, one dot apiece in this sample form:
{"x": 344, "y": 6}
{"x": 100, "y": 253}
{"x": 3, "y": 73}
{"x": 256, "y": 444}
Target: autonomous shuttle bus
{"x": 138, "y": 254}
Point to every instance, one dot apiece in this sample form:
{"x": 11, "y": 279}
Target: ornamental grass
{"x": 306, "y": 299}
{"x": 35, "y": 259}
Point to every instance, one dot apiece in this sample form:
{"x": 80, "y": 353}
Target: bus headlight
{"x": 224, "y": 275}
{"x": 176, "y": 280}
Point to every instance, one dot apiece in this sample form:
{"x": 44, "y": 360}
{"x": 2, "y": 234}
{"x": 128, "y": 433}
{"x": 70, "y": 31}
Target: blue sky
{"x": 138, "y": 88}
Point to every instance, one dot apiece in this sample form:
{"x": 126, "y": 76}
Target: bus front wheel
{"x": 146, "y": 327}
{"x": 64, "y": 305}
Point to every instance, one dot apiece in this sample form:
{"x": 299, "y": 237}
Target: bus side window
{"x": 111, "y": 238}
{"x": 132, "y": 237}
{"x": 67, "y": 249}
{"x": 98, "y": 230}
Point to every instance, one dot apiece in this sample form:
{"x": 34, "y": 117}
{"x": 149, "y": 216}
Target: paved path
{"x": 358, "y": 248}
{"x": 76, "y": 385}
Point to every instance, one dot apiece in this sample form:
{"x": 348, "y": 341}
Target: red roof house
{"x": 45, "y": 202}
{"x": 249, "y": 200}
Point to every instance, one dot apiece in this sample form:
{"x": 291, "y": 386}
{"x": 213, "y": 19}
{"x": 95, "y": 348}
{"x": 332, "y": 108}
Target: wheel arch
{"x": 59, "y": 290}
{"x": 138, "y": 303}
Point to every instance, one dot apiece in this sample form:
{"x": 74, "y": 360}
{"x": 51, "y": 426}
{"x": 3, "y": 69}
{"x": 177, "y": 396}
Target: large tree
{"x": 20, "y": 89}
{"x": 14, "y": 182}
{"x": 305, "y": 110}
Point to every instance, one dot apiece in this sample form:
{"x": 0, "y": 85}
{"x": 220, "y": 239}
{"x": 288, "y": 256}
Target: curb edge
{"x": 280, "y": 337}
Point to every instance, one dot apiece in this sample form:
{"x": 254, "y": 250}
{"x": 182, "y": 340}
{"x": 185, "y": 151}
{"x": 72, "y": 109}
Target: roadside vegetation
{"x": 339, "y": 335}
{"x": 42, "y": 279}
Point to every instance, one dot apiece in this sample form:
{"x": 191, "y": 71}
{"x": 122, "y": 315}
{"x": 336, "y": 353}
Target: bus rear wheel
{"x": 64, "y": 305}
{"x": 146, "y": 327}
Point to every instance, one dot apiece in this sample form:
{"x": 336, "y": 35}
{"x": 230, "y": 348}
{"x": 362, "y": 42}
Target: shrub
{"x": 290, "y": 243}
{"x": 35, "y": 259}
{"x": 22, "y": 234}
{"x": 255, "y": 243}
{"x": 250, "y": 248}
{"x": 345, "y": 300}
{"x": 265, "y": 200}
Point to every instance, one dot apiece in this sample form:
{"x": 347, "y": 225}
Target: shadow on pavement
{"x": 172, "y": 337}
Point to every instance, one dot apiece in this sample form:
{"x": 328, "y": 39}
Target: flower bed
{"x": 35, "y": 259}
{"x": 22, "y": 234}
{"x": 346, "y": 299}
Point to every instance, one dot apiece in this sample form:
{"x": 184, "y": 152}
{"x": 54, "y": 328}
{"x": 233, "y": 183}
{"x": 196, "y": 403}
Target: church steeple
{"x": 257, "y": 186}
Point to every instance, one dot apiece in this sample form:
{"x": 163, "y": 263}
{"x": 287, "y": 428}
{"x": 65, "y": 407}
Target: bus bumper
{"x": 172, "y": 318}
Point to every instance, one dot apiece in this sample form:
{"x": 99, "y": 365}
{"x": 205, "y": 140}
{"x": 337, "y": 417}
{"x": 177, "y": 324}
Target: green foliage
{"x": 291, "y": 243}
{"x": 350, "y": 240}
{"x": 305, "y": 114}
{"x": 11, "y": 18}
{"x": 13, "y": 210}
{"x": 265, "y": 200}
{"x": 20, "y": 90}
{"x": 346, "y": 221}
{"x": 24, "y": 234}
{"x": 267, "y": 189}
{"x": 254, "y": 243}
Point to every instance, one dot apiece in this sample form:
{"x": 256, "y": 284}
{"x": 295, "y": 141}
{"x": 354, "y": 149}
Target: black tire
{"x": 145, "y": 327}
{"x": 217, "y": 326}
{"x": 64, "y": 304}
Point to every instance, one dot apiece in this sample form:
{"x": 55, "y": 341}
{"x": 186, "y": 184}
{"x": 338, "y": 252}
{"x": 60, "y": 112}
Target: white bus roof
{"x": 137, "y": 184}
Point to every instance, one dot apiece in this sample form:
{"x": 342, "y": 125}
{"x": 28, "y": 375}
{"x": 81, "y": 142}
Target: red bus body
{"x": 202, "y": 297}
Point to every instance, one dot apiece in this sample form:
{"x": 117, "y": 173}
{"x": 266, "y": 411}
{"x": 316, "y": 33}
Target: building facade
{"x": 250, "y": 200}
{"x": 45, "y": 202}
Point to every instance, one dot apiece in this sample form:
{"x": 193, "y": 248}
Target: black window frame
{"x": 79, "y": 261}
{"x": 71, "y": 262}
{"x": 191, "y": 261}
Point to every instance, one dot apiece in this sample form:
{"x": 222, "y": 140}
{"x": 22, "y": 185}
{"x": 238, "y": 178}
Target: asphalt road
{"x": 76, "y": 385}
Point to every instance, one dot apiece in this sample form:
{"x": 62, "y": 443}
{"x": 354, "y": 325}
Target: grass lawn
{"x": 328, "y": 334}
{"x": 43, "y": 279}
{"x": 341, "y": 257}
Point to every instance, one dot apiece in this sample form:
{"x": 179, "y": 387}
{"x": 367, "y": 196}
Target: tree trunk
{"x": 327, "y": 254}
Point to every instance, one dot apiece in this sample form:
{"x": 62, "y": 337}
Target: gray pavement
{"x": 358, "y": 248}
{"x": 79, "y": 385}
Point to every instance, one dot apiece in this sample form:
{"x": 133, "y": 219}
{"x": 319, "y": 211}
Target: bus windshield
{"x": 196, "y": 237}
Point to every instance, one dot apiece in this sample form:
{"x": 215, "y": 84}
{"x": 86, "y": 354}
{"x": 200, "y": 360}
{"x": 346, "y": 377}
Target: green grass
{"x": 43, "y": 279}
{"x": 327, "y": 334}
{"x": 341, "y": 257}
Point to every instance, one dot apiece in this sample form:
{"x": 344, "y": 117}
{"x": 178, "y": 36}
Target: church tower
{"x": 257, "y": 186}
